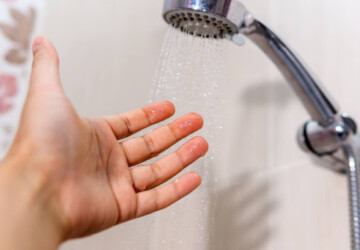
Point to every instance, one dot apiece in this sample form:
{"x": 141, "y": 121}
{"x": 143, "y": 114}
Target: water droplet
{"x": 191, "y": 73}
{"x": 186, "y": 124}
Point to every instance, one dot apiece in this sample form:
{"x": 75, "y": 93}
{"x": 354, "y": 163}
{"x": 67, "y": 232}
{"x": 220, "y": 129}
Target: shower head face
{"x": 200, "y": 23}
{"x": 205, "y": 18}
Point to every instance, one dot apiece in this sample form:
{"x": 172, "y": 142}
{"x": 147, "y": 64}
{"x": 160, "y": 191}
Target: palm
{"x": 100, "y": 184}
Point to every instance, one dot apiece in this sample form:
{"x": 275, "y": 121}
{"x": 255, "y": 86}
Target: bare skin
{"x": 66, "y": 177}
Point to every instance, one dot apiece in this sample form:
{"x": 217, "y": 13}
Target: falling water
{"x": 190, "y": 74}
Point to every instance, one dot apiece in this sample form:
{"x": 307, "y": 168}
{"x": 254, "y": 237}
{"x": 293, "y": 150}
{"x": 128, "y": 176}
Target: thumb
{"x": 45, "y": 69}
{"x": 45, "y": 94}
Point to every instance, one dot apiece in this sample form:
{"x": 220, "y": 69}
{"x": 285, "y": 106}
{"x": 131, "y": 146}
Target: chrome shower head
{"x": 230, "y": 19}
{"x": 205, "y": 18}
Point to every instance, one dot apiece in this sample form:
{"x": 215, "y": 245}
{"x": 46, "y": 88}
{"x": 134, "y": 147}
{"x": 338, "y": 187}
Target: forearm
{"x": 28, "y": 220}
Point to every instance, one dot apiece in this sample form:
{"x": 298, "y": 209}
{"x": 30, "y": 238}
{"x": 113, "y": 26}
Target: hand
{"x": 86, "y": 178}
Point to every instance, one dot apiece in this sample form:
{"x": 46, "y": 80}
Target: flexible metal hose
{"x": 354, "y": 196}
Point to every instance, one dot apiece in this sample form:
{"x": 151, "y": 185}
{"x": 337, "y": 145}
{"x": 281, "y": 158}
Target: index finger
{"x": 131, "y": 122}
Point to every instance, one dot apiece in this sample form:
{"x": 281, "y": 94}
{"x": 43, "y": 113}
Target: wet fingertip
{"x": 171, "y": 106}
{"x": 196, "y": 177}
{"x": 159, "y": 111}
{"x": 203, "y": 145}
{"x": 195, "y": 174}
{"x": 203, "y": 141}
{"x": 188, "y": 183}
{"x": 191, "y": 122}
{"x": 198, "y": 117}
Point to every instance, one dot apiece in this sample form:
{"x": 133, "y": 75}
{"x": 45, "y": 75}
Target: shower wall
{"x": 269, "y": 194}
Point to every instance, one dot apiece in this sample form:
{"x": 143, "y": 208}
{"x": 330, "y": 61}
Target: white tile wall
{"x": 270, "y": 196}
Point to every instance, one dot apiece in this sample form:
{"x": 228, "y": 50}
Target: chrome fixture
{"x": 330, "y": 136}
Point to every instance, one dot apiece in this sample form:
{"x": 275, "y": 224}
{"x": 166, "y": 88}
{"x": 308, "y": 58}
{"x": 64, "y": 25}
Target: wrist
{"x": 28, "y": 215}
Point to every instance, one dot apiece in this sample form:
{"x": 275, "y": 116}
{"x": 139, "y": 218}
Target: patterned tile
{"x": 17, "y": 26}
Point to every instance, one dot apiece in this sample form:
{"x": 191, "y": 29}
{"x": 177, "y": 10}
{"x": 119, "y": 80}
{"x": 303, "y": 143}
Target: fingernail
{"x": 37, "y": 43}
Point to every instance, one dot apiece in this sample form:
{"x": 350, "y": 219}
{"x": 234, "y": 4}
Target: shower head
{"x": 230, "y": 19}
{"x": 205, "y": 18}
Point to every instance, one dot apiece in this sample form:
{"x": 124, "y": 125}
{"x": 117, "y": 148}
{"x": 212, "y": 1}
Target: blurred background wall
{"x": 270, "y": 195}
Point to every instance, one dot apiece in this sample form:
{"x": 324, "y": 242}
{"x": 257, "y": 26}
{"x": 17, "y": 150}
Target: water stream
{"x": 190, "y": 74}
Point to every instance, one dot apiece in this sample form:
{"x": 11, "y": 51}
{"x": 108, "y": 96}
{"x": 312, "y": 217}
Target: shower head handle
{"x": 317, "y": 100}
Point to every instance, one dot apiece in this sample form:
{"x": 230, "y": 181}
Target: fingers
{"x": 142, "y": 148}
{"x": 157, "y": 199}
{"x": 45, "y": 68}
{"x": 131, "y": 122}
{"x": 150, "y": 176}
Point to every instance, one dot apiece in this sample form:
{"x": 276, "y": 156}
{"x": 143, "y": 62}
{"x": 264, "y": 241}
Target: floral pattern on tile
{"x": 8, "y": 90}
{"x": 19, "y": 32}
{"x": 17, "y": 27}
